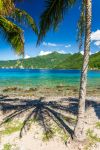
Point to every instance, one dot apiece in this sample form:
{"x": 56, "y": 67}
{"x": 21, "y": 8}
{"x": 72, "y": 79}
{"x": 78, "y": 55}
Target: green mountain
{"x": 72, "y": 62}
{"x": 53, "y": 61}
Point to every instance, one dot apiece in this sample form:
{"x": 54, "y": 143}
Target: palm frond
{"x": 81, "y": 25}
{"x": 13, "y": 34}
{"x": 53, "y": 15}
{"x": 6, "y": 7}
{"x": 23, "y": 17}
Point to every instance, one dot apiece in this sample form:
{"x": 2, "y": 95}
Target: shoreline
{"x": 40, "y": 91}
{"x": 48, "y": 69}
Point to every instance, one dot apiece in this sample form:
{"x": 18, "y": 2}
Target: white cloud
{"x": 61, "y": 52}
{"x": 49, "y": 52}
{"x": 97, "y": 43}
{"x": 49, "y": 44}
{"x": 52, "y": 44}
{"x": 82, "y": 52}
{"x": 67, "y": 46}
{"x": 26, "y": 56}
{"x": 96, "y": 51}
{"x": 95, "y": 36}
{"x": 55, "y": 45}
{"x": 45, "y": 44}
{"x": 44, "y": 53}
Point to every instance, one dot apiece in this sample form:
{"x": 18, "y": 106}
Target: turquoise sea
{"x": 46, "y": 78}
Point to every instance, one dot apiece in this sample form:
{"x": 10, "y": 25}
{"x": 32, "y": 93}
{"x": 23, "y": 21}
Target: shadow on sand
{"x": 59, "y": 111}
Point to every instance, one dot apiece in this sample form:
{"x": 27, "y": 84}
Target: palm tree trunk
{"x": 79, "y": 133}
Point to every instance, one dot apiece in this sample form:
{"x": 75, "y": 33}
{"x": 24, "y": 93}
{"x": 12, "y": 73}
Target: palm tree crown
{"x": 53, "y": 14}
{"x": 11, "y": 31}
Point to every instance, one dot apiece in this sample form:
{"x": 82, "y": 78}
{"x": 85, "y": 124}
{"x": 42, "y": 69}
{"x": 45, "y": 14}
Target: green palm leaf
{"x": 13, "y": 34}
{"x": 6, "y": 7}
{"x": 52, "y": 15}
{"x": 23, "y": 17}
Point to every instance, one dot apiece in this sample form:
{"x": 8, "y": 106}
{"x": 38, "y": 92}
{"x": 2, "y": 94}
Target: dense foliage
{"x": 54, "y": 61}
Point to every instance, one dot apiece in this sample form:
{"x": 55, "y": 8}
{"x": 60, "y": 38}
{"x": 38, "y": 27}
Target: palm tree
{"x": 14, "y": 34}
{"x": 53, "y": 14}
{"x": 79, "y": 129}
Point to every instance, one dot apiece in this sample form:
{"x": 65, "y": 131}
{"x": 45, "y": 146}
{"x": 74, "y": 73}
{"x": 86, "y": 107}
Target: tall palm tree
{"x": 14, "y": 34}
{"x": 79, "y": 129}
{"x": 52, "y": 15}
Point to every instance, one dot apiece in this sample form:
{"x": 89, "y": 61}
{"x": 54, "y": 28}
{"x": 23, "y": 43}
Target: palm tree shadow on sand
{"x": 59, "y": 111}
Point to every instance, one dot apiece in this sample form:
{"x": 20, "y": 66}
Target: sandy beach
{"x": 30, "y": 123}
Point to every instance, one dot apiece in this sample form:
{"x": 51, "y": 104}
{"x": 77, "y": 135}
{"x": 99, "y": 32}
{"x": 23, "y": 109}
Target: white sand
{"x": 32, "y": 140}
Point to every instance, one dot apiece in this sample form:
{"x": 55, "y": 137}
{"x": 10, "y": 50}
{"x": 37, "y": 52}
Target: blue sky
{"x": 63, "y": 40}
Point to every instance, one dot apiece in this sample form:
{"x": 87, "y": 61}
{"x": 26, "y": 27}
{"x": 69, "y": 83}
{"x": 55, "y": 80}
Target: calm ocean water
{"x": 46, "y": 78}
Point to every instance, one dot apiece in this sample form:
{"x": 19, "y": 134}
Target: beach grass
{"x": 55, "y": 131}
{"x": 7, "y": 146}
{"x": 98, "y": 125}
{"x": 11, "y": 127}
{"x": 92, "y": 139}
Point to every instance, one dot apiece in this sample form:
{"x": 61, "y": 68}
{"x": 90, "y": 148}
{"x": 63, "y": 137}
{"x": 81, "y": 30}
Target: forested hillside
{"x": 53, "y": 61}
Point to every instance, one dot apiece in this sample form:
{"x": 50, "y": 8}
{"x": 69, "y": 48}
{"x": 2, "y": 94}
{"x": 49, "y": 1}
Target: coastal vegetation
{"x": 54, "y": 61}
